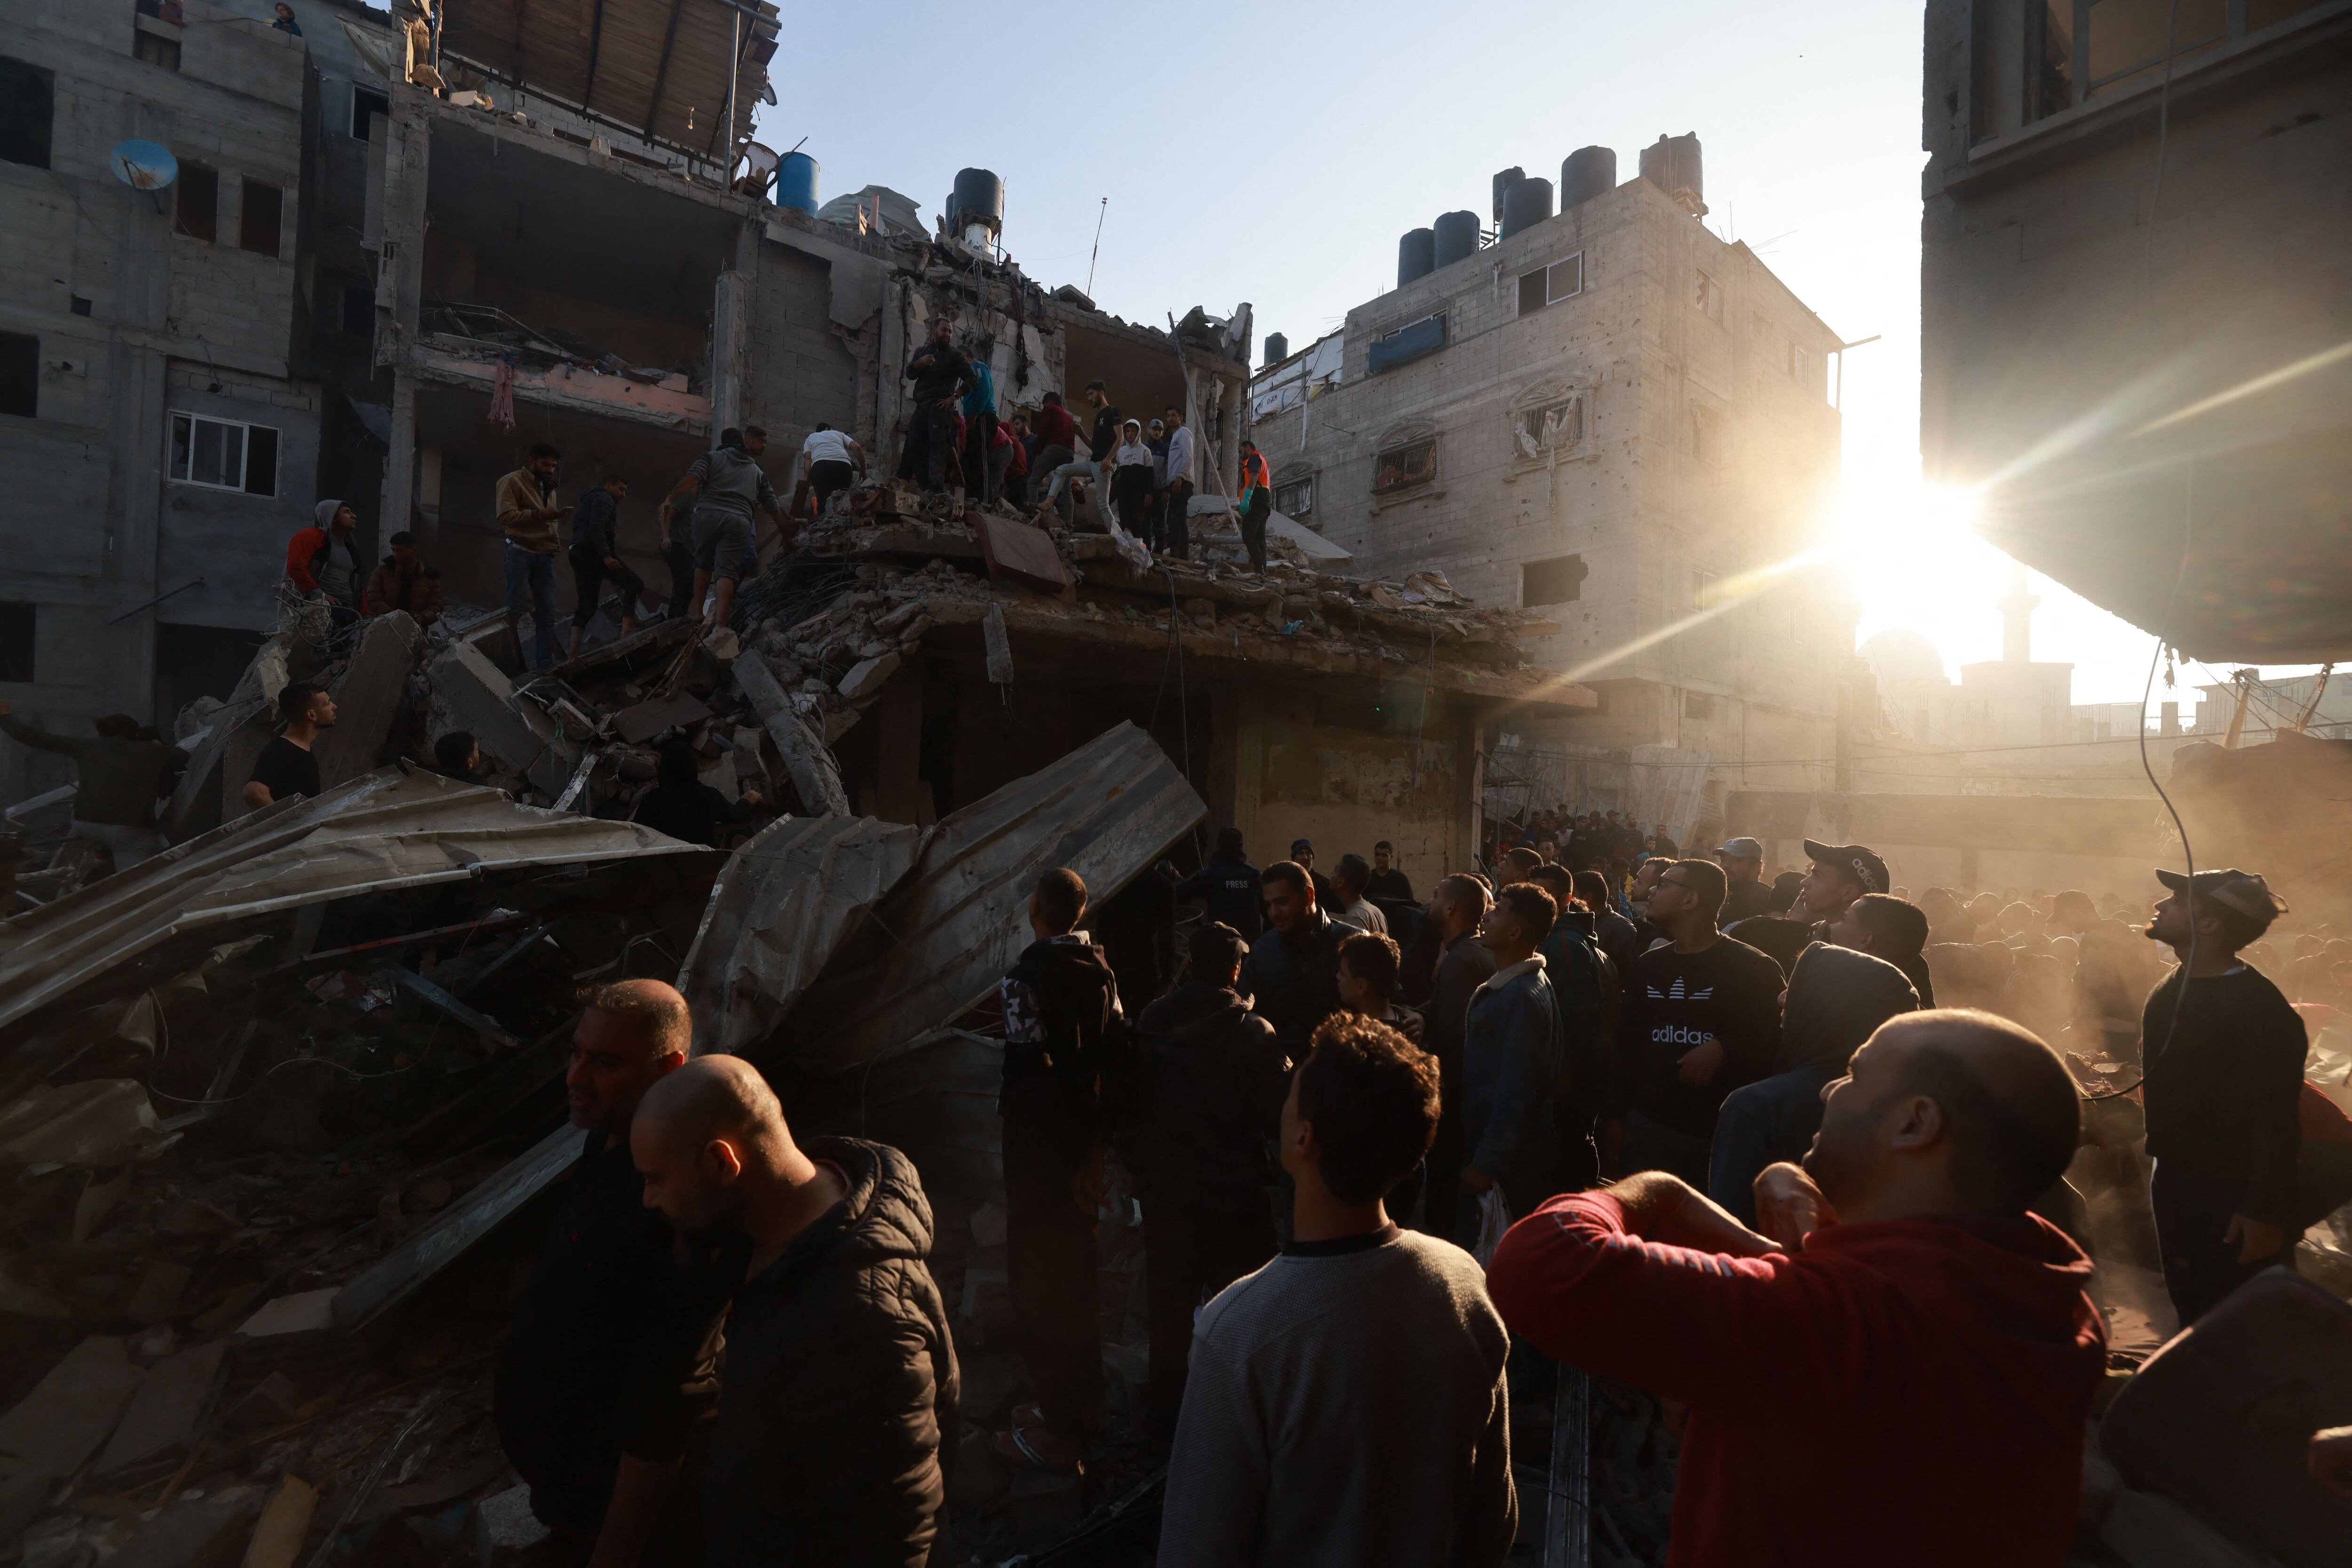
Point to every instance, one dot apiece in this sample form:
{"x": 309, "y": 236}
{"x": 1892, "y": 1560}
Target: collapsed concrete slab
{"x": 368, "y": 698}
{"x": 817, "y": 777}
{"x": 478, "y": 697}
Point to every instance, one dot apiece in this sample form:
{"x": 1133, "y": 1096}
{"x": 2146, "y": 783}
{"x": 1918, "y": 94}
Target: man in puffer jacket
{"x": 1836, "y": 999}
{"x": 840, "y": 1375}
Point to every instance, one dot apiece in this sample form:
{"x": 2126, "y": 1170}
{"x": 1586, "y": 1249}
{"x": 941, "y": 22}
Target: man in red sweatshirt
{"x": 1909, "y": 1384}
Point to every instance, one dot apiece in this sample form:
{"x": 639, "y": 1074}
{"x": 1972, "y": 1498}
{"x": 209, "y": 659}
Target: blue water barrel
{"x": 1502, "y": 184}
{"x": 1277, "y": 348}
{"x": 1587, "y": 173}
{"x": 1417, "y": 256}
{"x": 796, "y": 183}
{"x": 1457, "y": 237}
{"x": 1528, "y": 204}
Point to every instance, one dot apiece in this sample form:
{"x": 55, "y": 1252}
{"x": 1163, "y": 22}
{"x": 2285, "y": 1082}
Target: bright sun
{"x": 1916, "y": 559}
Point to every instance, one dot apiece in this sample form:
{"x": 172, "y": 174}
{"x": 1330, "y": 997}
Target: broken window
{"x": 26, "y": 107}
{"x": 257, "y": 223}
{"x": 1405, "y": 465}
{"x": 196, "y": 210}
{"x": 1294, "y": 498}
{"x": 224, "y": 454}
{"x": 20, "y": 374}
{"x": 17, "y": 623}
{"x": 1539, "y": 433}
{"x": 1698, "y": 705}
{"x": 1549, "y": 285}
{"x": 1407, "y": 344}
{"x": 365, "y": 107}
{"x": 155, "y": 51}
{"x": 1557, "y": 580}
{"x": 1708, "y": 298}
{"x": 2127, "y": 37}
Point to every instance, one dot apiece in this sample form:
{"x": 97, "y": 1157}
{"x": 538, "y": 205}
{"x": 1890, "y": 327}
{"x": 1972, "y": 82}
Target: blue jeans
{"x": 529, "y": 569}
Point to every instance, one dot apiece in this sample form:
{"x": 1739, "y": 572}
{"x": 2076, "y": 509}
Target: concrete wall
{"x": 91, "y": 528}
{"x": 798, "y": 370}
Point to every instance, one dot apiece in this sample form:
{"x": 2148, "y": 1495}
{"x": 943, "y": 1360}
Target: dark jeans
{"x": 1439, "y": 1197}
{"x": 1049, "y": 1243}
{"x": 930, "y": 450}
{"x": 2193, "y": 1209}
{"x": 1175, "y": 528}
{"x": 1194, "y": 1245}
{"x": 588, "y": 575}
{"x": 1131, "y": 492}
{"x": 679, "y": 556}
{"x": 1650, "y": 1146}
{"x": 979, "y": 431}
{"x": 530, "y": 584}
{"x": 1253, "y": 518}
{"x": 827, "y": 478}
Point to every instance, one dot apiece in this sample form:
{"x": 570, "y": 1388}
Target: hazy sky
{"x": 1273, "y": 152}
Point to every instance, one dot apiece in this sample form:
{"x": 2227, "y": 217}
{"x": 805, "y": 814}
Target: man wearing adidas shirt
{"x": 1701, "y": 1017}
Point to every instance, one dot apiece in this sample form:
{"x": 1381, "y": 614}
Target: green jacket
{"x": 119, "y": 780}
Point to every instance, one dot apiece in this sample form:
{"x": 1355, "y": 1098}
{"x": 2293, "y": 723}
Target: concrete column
{"x": 400, "y": 268}
{"x": 1471, "y": 815}
{"x": 428, "y": 488}
{"x": 730, "y": 333}
{"x": 888, "y": 396}
{"x": 400, "y": 466}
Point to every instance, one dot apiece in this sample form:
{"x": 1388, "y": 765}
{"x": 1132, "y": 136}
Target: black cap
{"x": 2245, "y": 891}
{"x": 1861, "y": 863}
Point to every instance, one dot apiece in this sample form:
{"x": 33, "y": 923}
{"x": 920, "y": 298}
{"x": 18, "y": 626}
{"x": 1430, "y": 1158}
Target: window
{"x": 1408, "y": 464}
{"x": 224, "y": 455}
{"x": 1801, "y": 364}
{"x": 17, "y": 626}
{"x": 155, "y": 51}
{"x": 358, "y": 309}
{"x": 1407, "y": 344}
{"x": 20, "y": 374}
{"x": 1555, "y": 581}
{"x": 1703, "y": 596}
{"x": 1294, "y": 498}
{"x": 1550, "y": 285}
{"x": 196, "y": 211}
{"x": 257, "y": 223}
{"x": 1539, "y": 433}
{"x": 1698, "y": 705}
{"x": 1709, "y": 299}
{"x": 77, "y": 305}
{"x": 365, "y": 107}
{"x": 25, "y": 94}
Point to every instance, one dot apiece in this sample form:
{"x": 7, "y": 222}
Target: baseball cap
{"x": 1741, "y": 849}
{"x": 1863, "y": 863}
{"x": 2245, "y": 891}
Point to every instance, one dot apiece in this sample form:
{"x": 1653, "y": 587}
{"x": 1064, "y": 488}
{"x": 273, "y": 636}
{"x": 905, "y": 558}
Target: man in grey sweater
{"x": 1347, "y": 1403}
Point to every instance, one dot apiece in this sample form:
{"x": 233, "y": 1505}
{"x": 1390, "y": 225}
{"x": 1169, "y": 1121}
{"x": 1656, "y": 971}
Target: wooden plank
{"x": 661, "y": 74}
{"x": 595, "y": 39}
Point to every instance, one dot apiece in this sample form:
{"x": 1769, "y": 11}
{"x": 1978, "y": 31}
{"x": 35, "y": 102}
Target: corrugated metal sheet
{"x": 781, "y": 908}
{"x": 395, "y": 827}
{"x": 1105, "y": 810}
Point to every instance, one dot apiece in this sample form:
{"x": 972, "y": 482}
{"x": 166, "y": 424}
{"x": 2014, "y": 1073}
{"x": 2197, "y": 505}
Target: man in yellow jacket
{"x": 528, "y": 512}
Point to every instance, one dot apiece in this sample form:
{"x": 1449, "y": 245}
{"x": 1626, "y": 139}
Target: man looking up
{"x": 1702, "y": 1017}
{"x": 323, "y": 559}
{"x": 1911, "y": 1384}
{"x": 1742, "y": 860}
{"x": 285, "y": 766}
{"x": 1292, "y": 974}
{"x": 1511, "y": 1060}
{"x": 612, "y": 1360}
{"x": 2223, "y": 1092}
{"x": 1891, "y": 930}
{"x": 1061, "y": 1004}
{"x": 528, "y": 514}
{"x": 1346, "y": 1406}
{"x": 1457, "y": 910}
{"x": 1613, "y": 932}
{"x": 840, "y": 1374}
{"x": 727, "y": 485}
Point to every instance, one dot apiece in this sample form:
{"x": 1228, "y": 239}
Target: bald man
{"x": 609, "y": 1369}
{"x": 840, "y": 1374}
{"x": 1901, "y": 1368}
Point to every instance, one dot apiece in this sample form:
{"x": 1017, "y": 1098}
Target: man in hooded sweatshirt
{"x": 1210, "y": 1079}
{"x": 323, "y": 560}
{"x": 1910, "y": 1384}
{"x": 1836, "y": 999}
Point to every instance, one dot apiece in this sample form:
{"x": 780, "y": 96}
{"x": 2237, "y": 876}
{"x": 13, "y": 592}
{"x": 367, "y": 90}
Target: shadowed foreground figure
{"x": 1907, "y": 1386}
{"x": 840, "y": 1375}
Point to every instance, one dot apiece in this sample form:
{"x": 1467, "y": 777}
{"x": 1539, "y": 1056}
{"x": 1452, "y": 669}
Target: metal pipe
{"x": 193, "y": 583}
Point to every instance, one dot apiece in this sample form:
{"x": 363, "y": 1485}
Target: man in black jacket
{"x": 942, "y": 375}
{"x": 1292, "y": 974}
{"x": 1211, "y": 1081}
{"x": 1228, "y": 888}
{"x": 1061, "y": 1011}
{"x": 610, "y": 1366}
{"x": 1456, "y": 910}
{"x": 840, "y": 1374}
{"x": 2224, "y": 1093}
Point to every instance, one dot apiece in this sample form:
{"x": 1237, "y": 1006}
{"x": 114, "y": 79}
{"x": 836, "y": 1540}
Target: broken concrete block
{"x": 865, "y": 678}
{"x": 192, "y": 1534}
{"x": 817, "y": 777}
{"x": 642, "y": 723}
{"x": 157, "y": 1292}
{"x": 305, "y": 1312}
{"x": 69, "y": 1413}
{"x": 476, "y": 695}
{"x": 169, "y": 1409}
{"x": 368, "y": 698}
{"x": 505, "y": 1522}
{"x": 285, "y": 1520}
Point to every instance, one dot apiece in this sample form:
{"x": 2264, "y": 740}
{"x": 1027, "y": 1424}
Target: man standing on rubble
{"x": 1176, "y": 493}
{"x": 1292, "y": 974}
{"x": 840, "y": 1375}
{"x": 596, "y": 555}
{"x": 528, "y": 512}
{"x": 979, "y": 425}
{"x": 1230, "y": 888}
{"x": 323, "y": 560}
{"x": 286, "y": 766}
{"x": 404, "y": 581}
{"x": 1061, "y": 1010}
{"x": 117, "y": 778}
{"x": 729, "y": 486}
{"x": 830, "y": 463}
{"x": 1900, "y": 1368}
{"x": 942, "y": 375}
{"x": 610, "y": 1366}
{"x": 2223, "y": 1092}
{"x": 1257, "y": 505}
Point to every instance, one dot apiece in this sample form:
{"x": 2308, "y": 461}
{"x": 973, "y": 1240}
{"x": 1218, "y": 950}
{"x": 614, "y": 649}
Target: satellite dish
{"x": 143, "y": 165}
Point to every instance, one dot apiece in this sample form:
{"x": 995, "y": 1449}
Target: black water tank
{"x": 979, "y": 196}
{"x": 1503, "y": 182}
{"x": 1527, "y": 204}
{"x": 1587, "y": 173}
{"x": 1277, "y": 348}
{"x": 1671, "y": 162}
{"x": 1457, "y": 237}
{"x": 1417, "y": 256}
